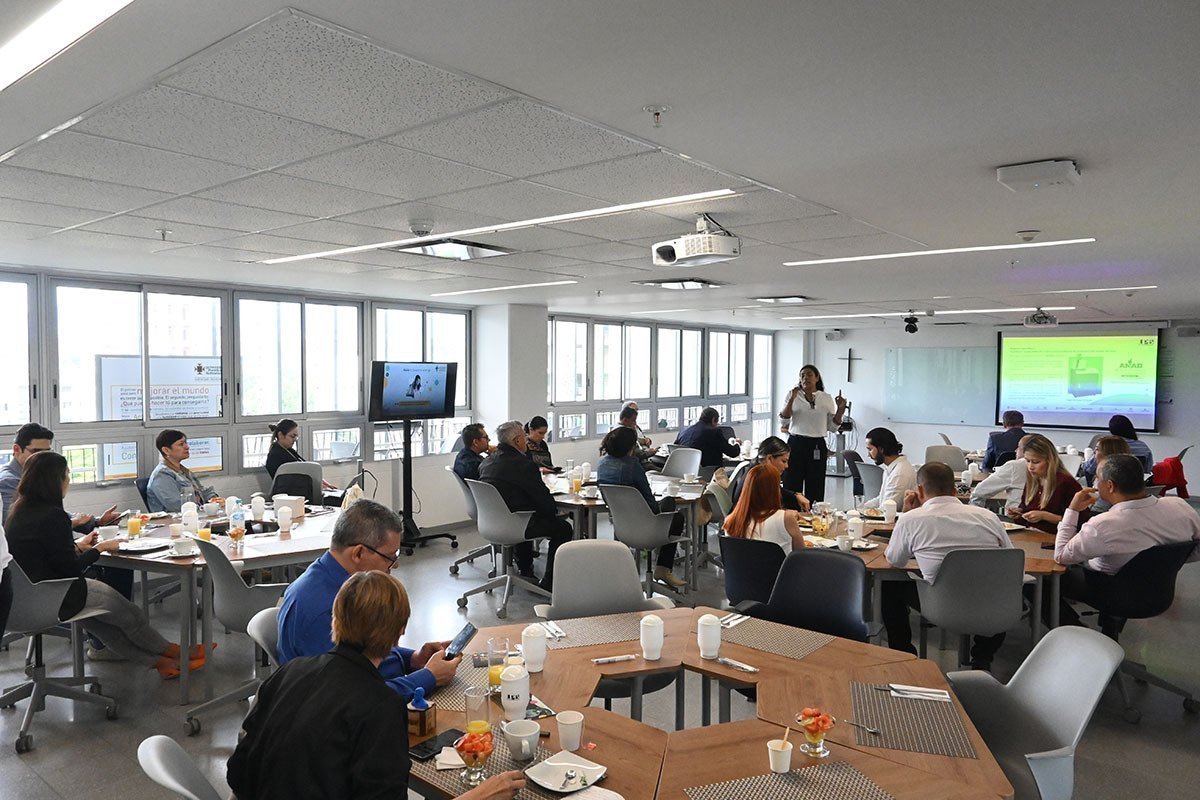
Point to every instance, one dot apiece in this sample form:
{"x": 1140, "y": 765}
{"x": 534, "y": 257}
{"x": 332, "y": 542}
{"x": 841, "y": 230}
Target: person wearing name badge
{"x": 1048, "y": 487}
{"x": 170, "y": 478}
{"x": 808, "y": 414}
{"x": 899, "y": 476}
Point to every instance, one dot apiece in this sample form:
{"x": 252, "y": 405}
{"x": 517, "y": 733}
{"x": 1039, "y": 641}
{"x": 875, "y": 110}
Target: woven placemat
{"x": 836, "y": 780}
{"x": 450, "y": 696}
{"x": 450, "y": 781}
{"x": 919, "y": 726}
{"x": 771, "y": 637}
{"x": 586, "y": 631}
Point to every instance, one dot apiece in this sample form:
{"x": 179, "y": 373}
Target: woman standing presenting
{"x": 808, "y": 415}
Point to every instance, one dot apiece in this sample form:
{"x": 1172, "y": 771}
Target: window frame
{"x": 33, "y": 395}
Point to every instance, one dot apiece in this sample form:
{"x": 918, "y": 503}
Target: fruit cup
{"x": 476, "y": 745}
{"x": 814, "y": 724}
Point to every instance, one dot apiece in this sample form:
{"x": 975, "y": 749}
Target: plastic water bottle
{"x": 237, "y": 526}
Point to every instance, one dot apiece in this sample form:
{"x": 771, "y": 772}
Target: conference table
{"x": 308, "y": 539}
{"x": 644, "y": 762}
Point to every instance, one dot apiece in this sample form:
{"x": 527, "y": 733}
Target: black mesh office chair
{"x": 839, "y": 579}
{"x": 1004, "y": 458}
{"x": 143, "y": 486}
{"x": 751, "y": 567}
{"x": 853, "y": 459}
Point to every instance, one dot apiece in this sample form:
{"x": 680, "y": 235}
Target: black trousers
{"x": 666, "y": 553}
{"x": 806, "y": 467}
{"x": 557, "y": 529}
{"x": 6, "y": 598}
{"x": 897, "y": 597}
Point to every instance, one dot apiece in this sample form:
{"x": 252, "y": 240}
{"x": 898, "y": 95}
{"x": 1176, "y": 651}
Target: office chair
{"x": 473, "y": 514}
{"x": 643, "y": 530}
{"x": 168, "y": 765}
{"x": 839, "y": 579}
{"x": 504, "y": 529}
{"x": 751, "y": 567}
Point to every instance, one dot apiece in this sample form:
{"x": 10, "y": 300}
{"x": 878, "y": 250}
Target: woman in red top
{"x": 1048, "y": 487}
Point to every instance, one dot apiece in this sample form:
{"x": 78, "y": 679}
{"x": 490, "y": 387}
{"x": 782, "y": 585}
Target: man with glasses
{"x": 366, "y": 537}
{"x": 33, "y": 438}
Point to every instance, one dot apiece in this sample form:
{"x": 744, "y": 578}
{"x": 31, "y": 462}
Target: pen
{"x": 614, "y": 659}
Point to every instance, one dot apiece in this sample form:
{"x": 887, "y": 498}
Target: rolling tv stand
{"x": 413, "y": 537}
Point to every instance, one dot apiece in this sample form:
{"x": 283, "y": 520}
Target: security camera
{"x": 910, "y": 323}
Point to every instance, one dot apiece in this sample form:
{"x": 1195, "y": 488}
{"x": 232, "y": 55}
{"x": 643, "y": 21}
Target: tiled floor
{"x": 82, "y": 755}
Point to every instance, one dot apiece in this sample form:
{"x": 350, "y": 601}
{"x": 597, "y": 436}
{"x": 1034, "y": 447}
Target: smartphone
{"x": 460, "y": 641}
{"x": 431, "y": 747}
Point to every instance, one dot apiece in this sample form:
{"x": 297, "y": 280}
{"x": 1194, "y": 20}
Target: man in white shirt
{"x": 899, "y": 476}
{"x": 1008, "y": 478}
{"x": 1137, "y": 521}
{"x": 935, "y": 524}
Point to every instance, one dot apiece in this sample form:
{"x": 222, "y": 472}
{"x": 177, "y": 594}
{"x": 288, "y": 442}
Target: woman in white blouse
{"x": 808, "y": 415}
{"x": 759, "y": 513}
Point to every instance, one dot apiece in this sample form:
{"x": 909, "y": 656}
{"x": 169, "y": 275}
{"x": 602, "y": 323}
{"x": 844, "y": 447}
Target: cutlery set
{"x": 732, "y": 619}
{"x": 553, "y": 630}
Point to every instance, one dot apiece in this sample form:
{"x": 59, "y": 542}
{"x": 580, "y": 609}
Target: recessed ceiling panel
{"x": 287, "y": 193}
{"x": 47, "y": 187}
{"x": 43, "y": 213}
{"x": 199, "y": 211}
{"x": 392, "y": 171}
{"x": 188, "y": 123}
{"x": 400, "y": 217}
{"x": 147, "y": 228}
{"x": 808, "y": 229}
{"x": 20, "y": 230}
{"x": 298, "y": 68}
{"x": 517, "y": 200}
{"x": 518, "y": 138}
{"x": 642, "y": 177}
{"x": 95, "y": 158}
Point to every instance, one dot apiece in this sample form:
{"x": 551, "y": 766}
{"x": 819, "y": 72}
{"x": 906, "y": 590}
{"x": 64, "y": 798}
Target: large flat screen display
{"x": 1079, "y": 381}
{"x": 412, "y": 390}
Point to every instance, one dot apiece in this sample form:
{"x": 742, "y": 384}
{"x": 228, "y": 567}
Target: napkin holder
{"x": 422, "y": 717}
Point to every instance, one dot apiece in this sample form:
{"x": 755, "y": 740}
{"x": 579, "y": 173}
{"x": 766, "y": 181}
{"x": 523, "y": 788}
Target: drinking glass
{"x": 497, "y": 661}
{"x": 236, "y": 534}
{"x": 476, "y": 745}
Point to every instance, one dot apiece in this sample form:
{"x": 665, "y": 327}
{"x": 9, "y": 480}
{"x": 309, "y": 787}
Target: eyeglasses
{"x": 390, "y": 559}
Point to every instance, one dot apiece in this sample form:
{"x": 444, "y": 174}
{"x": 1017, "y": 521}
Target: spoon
{"x": 866, "y": 728}
{"x": 570, "y": 776}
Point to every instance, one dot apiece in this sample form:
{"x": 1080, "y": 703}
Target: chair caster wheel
{"x": 502, "y": 613}
{"x": 492, "y": 574}
{"x": 1191, "y": 705}
{"x": 408, "y": 551}
{"x": 193, "y": 726}
{"x": 110, "y": 712}
{"x": 1131, "y": 715}
{"x": 462, "y": 602}
{"x": 454, "y": 544}
{"x": 454, "y": 569}
{"x": 24, "y": 743}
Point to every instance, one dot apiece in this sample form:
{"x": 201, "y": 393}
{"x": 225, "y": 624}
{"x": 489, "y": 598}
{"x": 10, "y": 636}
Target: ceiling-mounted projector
{"x": 1040, "y": 319}
{"x": 1038, "y": 175}
{"x": 708, "y": 245}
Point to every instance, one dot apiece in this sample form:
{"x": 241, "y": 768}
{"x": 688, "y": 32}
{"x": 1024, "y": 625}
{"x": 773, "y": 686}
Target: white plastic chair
{"x": 310, "y": 468}
{"x": 473, "y": 513}
{"x": 1033, "y": 723}
{"x": 949, "y": 455}
{"x": 263, "y": 628}
{"x": 872, "y": 479}
{"x": 977, "y": 591}
{"x": 168, "y": 765}
{"x": 644, "y": 531}
{"x": 505, "y": 529}
{"x": 683, "y": 460}
{"x": 1071, "y": 462}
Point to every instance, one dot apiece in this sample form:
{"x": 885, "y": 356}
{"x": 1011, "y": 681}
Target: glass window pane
{"x": 570, "y": 361}
{"x": 389, "y": 442}
{"x": 718, "y": 363}
{"x": 571, "y": 426}
{"x": 668, "y": 362}
{"x": 254, "y": 449}
{"x": 691, "y": 415}
{"x": 690, "y": 355}
{"x": 331, "y": 357}
{"x": 739, "y": 412}
{"x": 607, "y": 339}
{"x": 398, "y": 335}
{"x": 14, "y": 357}
{"x": 334, "y": 445}
{"x": 762, "y": 369}
{"x": 606, "y": 421}
{"x": 448, "y": 343}
{"x": 737, "y": 363}
{"x": 269, "y": 357}
{"x": 99, "y": 354}
{"x": 89, "y": 463}
{"x": 185, "y": 356}
{"x": 667, "y": 419}
{"x": 721, "y": 413}
{"x": 443, "y": 433}
{"x": 637, "y": 362}
{"x": 206, "y": 454}
{"x": 760, "y": 429}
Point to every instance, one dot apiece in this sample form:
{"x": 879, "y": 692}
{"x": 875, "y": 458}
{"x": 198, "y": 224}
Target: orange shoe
{"x": 196, "y": 651}
{"x": 168, "y": 668}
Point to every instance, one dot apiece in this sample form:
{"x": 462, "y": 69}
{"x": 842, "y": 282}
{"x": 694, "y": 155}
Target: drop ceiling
{"x": 250, "y": 131}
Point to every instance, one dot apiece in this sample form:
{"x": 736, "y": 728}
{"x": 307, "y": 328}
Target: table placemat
{"x": 501, "y": 760}
{"x": 836, "y": 780}
{"x": 771, "y": 637}
{"x": 450, "y": 696}
{"x": 920, "y": 726}
{"x": 586, "y": 631}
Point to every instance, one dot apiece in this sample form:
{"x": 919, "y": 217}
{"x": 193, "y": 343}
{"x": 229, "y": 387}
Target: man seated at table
{"x": 1136, "y": 521}
{"x": 476, "y": 444}
{"x": 899, "y": 477}
{"x": 628, "y": 419}
{"x": 1005, "y": 441}
{"x": 1008, "y": 478}
{"x": 705, "y": 436}
{"x": 643, "y": 439}
{"x": 365, "y": 537}
{"x": 936, "y": 523}
{"x": 519, "y": 482}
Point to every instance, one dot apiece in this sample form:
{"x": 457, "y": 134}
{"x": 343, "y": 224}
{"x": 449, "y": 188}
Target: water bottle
{"x": 237, "y": 526}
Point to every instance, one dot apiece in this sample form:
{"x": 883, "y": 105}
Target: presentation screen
{"x": 412, "y": 390}
{"x": 1079, "y": 381}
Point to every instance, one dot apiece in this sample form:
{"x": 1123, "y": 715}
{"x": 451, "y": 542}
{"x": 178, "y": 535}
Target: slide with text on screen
{"x": 413, "y": 390}
{"x": 1080, "y": 381}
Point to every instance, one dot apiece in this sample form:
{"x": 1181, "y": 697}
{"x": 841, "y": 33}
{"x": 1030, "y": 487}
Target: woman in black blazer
{"x": 42, "y": 543}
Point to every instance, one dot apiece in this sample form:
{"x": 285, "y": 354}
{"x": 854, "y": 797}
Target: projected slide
{"x": 413, "y": 390}
{"x": 1080, "y": 381}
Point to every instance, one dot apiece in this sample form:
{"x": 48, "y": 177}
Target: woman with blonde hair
{"x": 329, "y": 726}
{"x": 1048, "y": 487}
{"x": 759, "y": 513}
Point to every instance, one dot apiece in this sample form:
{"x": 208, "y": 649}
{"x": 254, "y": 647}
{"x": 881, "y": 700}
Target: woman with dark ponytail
{"x": 537, "y": 449}
{"x": 283, "y": 445}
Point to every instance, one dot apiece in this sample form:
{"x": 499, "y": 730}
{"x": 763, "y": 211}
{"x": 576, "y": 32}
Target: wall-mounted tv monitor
{"x": 412, "y": 390}
{"x": 1079, "y": 380}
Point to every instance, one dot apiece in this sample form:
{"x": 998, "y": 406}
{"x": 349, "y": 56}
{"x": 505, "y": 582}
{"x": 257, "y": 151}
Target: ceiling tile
{"x": 298, "y": 68}
{"x": 642, "y": 177}
{"x": 517, "y": 200}
{"x": 326, "y": 266}
{"x": 412, "y": 275}
{"x": 268, "y": 243}
{"x": 859, "y": 246}
{"x": 342, "y": 234}
{"x": 400, "y": 216}
{"x": 198, "y": 211}
{"x": 392, "y": 171}
{"x": 808, "y": 229}
{"x": 518, "y": 138}
{"x": 20, "y": 230}
{"x": 47, "y": 187}
{"x": 92, "y": 157}
{"x": 605, "y": 252}
{"x": 631, "y": 225}
{"x": 105, "y": 240}
{"x": 147, "y": 228}
{"x": 388, "y": 258}
{"x": 183, "y": 122}
{"x": 484, "y": 269}
{"x": 286, "y": 193}
{"x": 592, "y": 270}
{"x": 536, "y": 238}
{"x": 539, "y": 262}
{"x": 44, "y": 213}
{"x": 221, "y": 253}
{"x": 751, "y": 208}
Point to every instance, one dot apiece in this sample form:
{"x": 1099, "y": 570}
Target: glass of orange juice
{"x": 497, "y": 661}
{"x": 476, "y": 745}
{"x": 205, "y": 534}
{"x": 134, "y": 528}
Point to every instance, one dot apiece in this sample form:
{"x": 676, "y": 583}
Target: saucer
{"x": 549, "y": 774}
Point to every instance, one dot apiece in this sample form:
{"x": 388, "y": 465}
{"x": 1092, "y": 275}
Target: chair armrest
{"x": 266, "y": 595}
{"x": 542, "y": 610}
{"x": 1054, "y": 771}
{"x": 752, "y": 608}
{"x": 661, "y": 602}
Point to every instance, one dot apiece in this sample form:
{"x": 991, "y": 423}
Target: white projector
{"x": 1038, "y": 175}
{"x": 1040, "y": 319}
{"x": 695, "y": 249}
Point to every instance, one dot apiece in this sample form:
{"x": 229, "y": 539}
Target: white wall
{"x": 1179, "y": 394}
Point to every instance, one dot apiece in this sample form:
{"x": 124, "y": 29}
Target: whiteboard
{"x": 941, "y": 385}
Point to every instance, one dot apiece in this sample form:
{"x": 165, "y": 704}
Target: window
{"x": 606, "y": 421}
{"x": 206, "y": 454}
{"x": 335, "y": 445}
{"x": 93, "y": 463}
{"x": 721, "y": 413}
{"x": 255, "y": 447}
{"x": 668, "y": 362}
{"x": 269, "y": 356}
{"x": 726, "y": 363}
{"x": 398, "y": 335}
{"x": 737, "y": 363}
{"x": 184, "y": 340}
{"x": 331, "y": 358}
{"x": 739, "y": 412}
{"x": 691, "y": 415}
{"x": 570, "y": 361}
{"x": 571, "y": 426}
{"x": 760, "y": 429}
{"x": 762, "y": 370}
{"x": 690, "y": 355}
{"x": 99, "y": 354}
{"x": 667, "y": 419}
{"x": 443, "y": 433}
{"x": 389, "y": 442}
{"x": 446, "y": 337}
{"x": 637, "y": 362}
{"x": 607, "y": 359}
{"x": 16, "y": 355}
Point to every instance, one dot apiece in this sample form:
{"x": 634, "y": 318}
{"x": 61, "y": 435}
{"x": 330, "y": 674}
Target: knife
{"x": 734, "y": 622}
{"x": 559, "y": 633}
{"x": 738, "y": 665}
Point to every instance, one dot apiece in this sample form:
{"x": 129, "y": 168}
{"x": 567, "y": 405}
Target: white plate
{"x": 1013, "y": 526}
{"x": 549, "y": 774}
{"x": 159, "y": 514}
{"x": 144, "y": 545}
{"x": 863, "y": 545}
{"x": 173, "y": 553}
{"x": 691, "y": 483}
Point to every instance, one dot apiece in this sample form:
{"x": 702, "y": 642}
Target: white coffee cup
{"x": 671, "y": 490}
{"x": 258, "y": 505}
{"x": 570, "y": 729}
{"x": 176, "y": 529}
{"x": 533, "y": 645}
{"x": 708, "y": 636}
{"x": 844, "y": 543}
{"x": 231, "y": 505}
{"x": 522, "y": 738}
{"x": 689, "y": 477}
{"x": 889, "y": 511}
{"x": 514, "y": 691}
{"x": 652, "y": 637}
{"x": 106, "y": 532}
{"x": 1072, "y": 450}
{"x": 185, "y": 546}
{"x": 590, "y": 492}
{"x": 780, "y": 754}
{"x": 212, "y": 509}
{"x": 283, "y": 515}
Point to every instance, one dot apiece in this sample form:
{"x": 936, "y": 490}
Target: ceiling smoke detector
{"x": 1027, "y": 236}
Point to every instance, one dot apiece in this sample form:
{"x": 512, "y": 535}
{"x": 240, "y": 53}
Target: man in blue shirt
{"x": 366, "y": 537}
{"x": 475, "y": 444}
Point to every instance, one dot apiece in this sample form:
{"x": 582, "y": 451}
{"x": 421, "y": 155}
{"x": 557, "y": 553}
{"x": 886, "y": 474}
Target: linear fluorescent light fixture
{"x": 681, "y": 284}
{"x": 502, "y": 288}
{"x": 939, "y": 313}
{"x": 662, "y": 311}
{"x": 942, "y": 252}
{"x": 783, "y": 300}
{"x": 1108, "y": 289}
{"x": 52, "y": 33}
{"x": 512, "y": 226}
